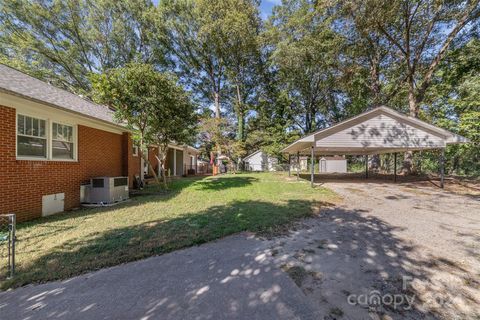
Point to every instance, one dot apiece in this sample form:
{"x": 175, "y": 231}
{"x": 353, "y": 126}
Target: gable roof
{"x": 251, "y": 155}
{"x": 19, "y": 84}
{"x": 308, "y": 140}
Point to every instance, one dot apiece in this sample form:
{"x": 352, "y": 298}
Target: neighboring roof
{"x": 22, "y": 85}
{"x": 308, "y": 141}
{"x": 195, "y": 150}
{"x": 251, "y": 155}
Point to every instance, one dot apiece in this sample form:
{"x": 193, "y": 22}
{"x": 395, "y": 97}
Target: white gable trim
{"x": 251, "y": 155}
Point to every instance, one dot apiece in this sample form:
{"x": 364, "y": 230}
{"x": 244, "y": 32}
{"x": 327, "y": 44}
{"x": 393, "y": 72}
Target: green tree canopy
{"x": 64, "y": 41}
{"x": 150, "y": 102}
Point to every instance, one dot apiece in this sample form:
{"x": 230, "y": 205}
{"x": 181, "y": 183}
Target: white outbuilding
{"x": 335, "y": 164}
{"x": 260, "y": 161}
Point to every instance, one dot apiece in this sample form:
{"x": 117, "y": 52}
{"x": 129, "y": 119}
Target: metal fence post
{"x": 13, "y": 226}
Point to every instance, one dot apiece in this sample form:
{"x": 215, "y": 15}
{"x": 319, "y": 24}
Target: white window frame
{"x": 74, "y": 140}
{"x": 48, "y": 137}
{"x": 20, "y": 157}
{"x": 135, "y": 151}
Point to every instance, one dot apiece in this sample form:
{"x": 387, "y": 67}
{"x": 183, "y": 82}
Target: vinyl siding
{"x": 381, "y": 131}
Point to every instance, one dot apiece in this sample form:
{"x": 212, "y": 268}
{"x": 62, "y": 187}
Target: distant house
{"x": 303, "y": 164}
{"x": 260, "y": 161}
{"x": 181, "y": 160}
{"x": 335, "y": 164}
{"x": 52, "y": 142}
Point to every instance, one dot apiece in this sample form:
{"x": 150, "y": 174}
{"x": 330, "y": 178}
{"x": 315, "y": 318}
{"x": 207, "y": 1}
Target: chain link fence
{"x": 7, "y": 245}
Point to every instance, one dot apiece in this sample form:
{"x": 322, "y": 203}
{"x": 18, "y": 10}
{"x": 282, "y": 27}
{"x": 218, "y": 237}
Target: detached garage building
{"x": 260, "y": 161}
{"x": 335, "y": 164}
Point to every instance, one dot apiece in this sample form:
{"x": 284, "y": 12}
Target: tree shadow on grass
{"x": 103, "y": 249}
{"x": 150, "y": 193}
{"x": 224, "y": 182}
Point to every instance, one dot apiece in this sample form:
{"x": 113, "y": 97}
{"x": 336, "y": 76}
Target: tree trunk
{"x": 375, "y": 81}
{"x": 149, "y": 165}
{"x": 240, "y": 116}
{"x": 145, "y": 158}
{"x": 162, "y": 160}
{"x": 376, "y": 99}
{"x": 241, "y": 126}
{"x": 375, "y": 162}
{"x": 407, "y": 166}
{"x": 412, "y": 100}
{"x": 216, "y": 98}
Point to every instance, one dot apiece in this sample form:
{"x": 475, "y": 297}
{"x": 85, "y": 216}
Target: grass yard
{"x": 194, "y": 211}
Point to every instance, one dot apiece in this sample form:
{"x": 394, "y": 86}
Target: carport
{"x": 377, "y": 131}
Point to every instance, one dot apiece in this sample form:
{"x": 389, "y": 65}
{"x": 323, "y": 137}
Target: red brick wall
{"x": 131, "y": 164}
{"x": 24, "y": 182}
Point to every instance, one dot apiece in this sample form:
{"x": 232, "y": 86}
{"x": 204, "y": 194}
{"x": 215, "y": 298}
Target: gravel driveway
{"x": 389, "y": 251}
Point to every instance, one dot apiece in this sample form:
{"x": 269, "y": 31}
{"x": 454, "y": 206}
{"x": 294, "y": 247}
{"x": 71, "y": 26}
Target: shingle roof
{"x": 20, "y": 84}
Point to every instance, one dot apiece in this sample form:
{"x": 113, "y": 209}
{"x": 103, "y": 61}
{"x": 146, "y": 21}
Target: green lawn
{"x": 194, "y": 211}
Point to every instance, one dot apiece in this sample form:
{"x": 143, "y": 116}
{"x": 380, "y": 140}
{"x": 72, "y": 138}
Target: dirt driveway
{"x": 389, "y": 251}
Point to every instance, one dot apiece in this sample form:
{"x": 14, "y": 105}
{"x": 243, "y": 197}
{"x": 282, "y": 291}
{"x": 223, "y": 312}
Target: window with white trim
{"x": 31, "y": 137}
{"x": 62, "y": 141}
{"x": 44, "y": 139}
{"x": 135, "y": 151}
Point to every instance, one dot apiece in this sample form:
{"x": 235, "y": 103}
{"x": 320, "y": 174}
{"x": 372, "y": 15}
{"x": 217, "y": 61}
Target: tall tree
{"x": 421, "y": 32}
{"x": 193, "y": 42}
{"x": 174, "y": 118}
{"x": 305, "y": 55}
{"x": 370, "y": 74}
{"x": 455, "y": 97}
{"x": 240, "y": 29}
{"x": 64, "y": 41}
{"x": 214, "y": 48}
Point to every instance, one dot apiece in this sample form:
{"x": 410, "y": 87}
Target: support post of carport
{"x": 366, "y": 166}
{"x": 298, "y": 165}
{"x": 442, "y": 167}
{"x": 289, "y": 164}
{"x": 395, "y": 167}
{"x": 312, "y": 169}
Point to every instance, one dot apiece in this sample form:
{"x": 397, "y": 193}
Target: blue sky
{"x": 265, "y": 6}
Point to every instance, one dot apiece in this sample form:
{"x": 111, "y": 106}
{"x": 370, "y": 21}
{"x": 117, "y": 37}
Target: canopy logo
{"x": 375, "y": 298}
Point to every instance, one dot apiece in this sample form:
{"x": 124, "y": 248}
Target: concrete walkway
{"x": 228, "y": 279}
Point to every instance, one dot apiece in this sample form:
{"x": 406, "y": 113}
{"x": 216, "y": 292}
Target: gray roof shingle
{"x": 20, "y": 84}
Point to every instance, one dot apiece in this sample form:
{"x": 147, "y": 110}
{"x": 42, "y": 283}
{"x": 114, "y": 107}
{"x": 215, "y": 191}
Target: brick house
{"x": 179, "y": 161}
{"x": 52, "y": 141}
